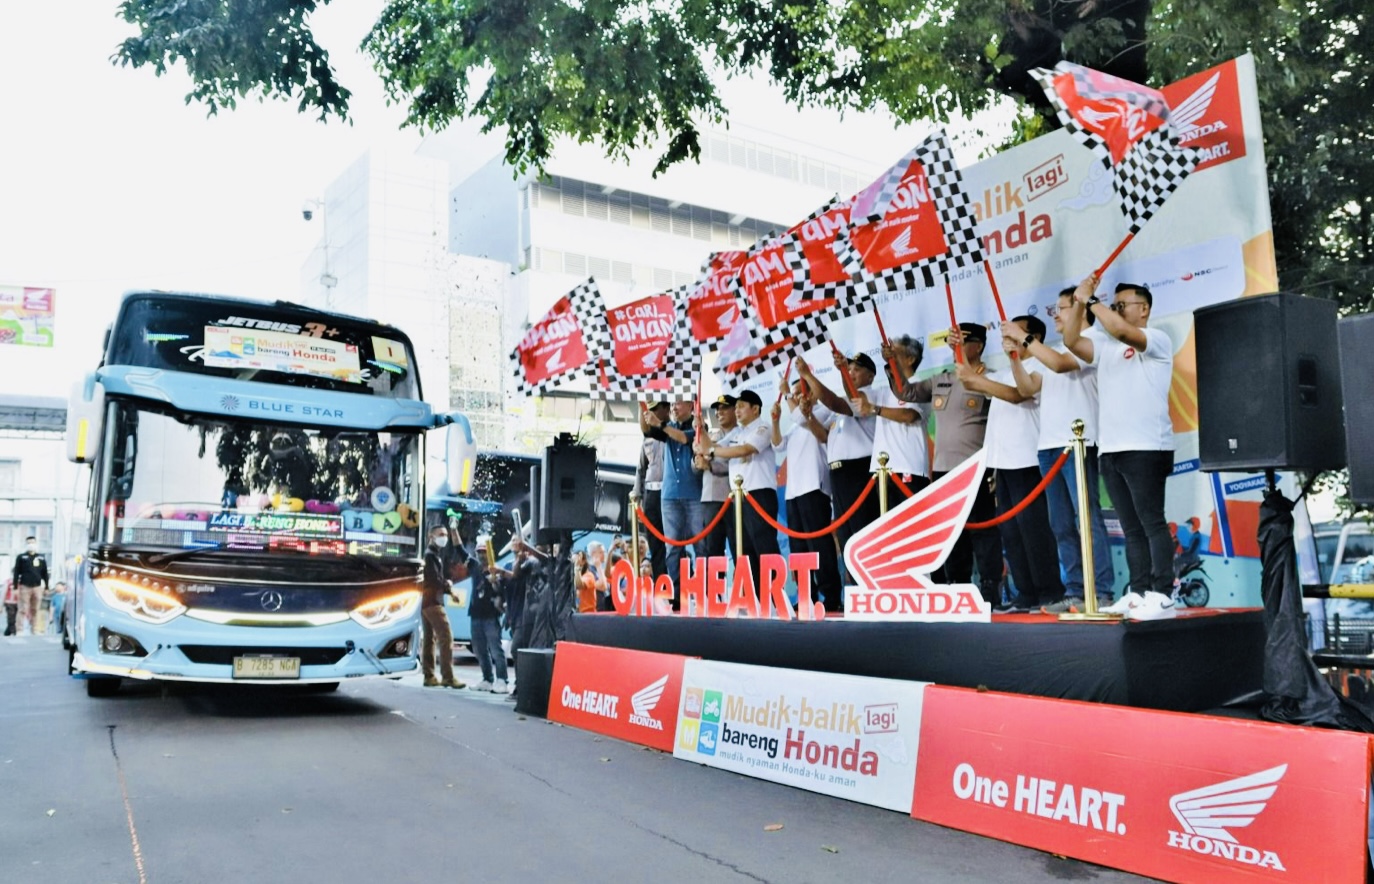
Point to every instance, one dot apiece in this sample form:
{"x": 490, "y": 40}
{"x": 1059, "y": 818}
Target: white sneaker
{"x": 1154, "y": 606}
{"x": 482, "y": 686}
{"x": 1124, "y": 604}
{"x": 498, "y": 687}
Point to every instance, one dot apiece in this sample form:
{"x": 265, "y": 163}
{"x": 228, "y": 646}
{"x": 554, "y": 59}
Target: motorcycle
{"x": 1190, "y": 584}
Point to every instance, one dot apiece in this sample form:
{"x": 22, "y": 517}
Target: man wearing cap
{"x": 1068, "y": 391}
{"x": 680, "y": 498}
{"x": 649, "y": 479}
{"x": 848, "y": 443}
{"x": 715, "y": 473}
{"x": 961, "y": 421}
{"x": 1011, "y": 445}
{"x": 1135, "y": 368}
{"x": 808, "y": 486}
{"x": 750, "y": 455}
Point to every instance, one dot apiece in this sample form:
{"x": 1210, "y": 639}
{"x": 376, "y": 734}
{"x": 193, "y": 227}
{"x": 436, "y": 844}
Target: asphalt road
{"x": 390, "y": 781}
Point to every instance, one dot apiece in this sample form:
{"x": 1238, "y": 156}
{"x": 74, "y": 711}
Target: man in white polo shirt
{"x": 750, "y": 455}
{"x": 1135, "y": 366}
{"x": 808, "y": 486}
{"x": 1068, "y": 391}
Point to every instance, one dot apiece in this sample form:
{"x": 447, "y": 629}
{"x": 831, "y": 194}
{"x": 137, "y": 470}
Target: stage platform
{"x": 1202, "y": 660}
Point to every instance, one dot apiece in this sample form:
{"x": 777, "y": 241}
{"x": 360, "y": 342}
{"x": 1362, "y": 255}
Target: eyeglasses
{"x": 1119, "y": 306}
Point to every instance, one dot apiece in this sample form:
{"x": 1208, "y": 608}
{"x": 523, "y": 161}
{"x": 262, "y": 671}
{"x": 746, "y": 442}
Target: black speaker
{"x": 1356, "y": 334}
{"x": 1268, "y": 384}
{"x": 567, "y": 498}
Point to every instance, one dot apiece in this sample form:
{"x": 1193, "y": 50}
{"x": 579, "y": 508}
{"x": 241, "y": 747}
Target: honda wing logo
{"x": 1192, "y": 109}
{"x": 644, "y": 701}
{"x": 892, "y": 559}
{"x": 901, "y": 246}
{"x": 1208, "y": 815}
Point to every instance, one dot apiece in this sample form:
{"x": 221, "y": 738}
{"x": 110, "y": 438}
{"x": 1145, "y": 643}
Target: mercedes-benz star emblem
{"x": 272, "y": 600}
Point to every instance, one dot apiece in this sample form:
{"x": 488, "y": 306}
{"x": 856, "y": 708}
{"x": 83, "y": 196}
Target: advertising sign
{"x": 839, "y": 735}
{"x": 629, "y": 695}
{"x": 281, "y": 351}
{"x": 1172, "y": 796}
{"x": 26, "y": 315}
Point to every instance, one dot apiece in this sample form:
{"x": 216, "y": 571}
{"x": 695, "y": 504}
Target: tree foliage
{"x": 626, "y": 74}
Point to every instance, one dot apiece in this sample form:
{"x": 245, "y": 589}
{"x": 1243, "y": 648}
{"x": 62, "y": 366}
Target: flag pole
{"x": 782, "y": 388}
{"x": 996, "y": 295}
{"x": 1114, "y": 255}
{"x": 844, "y": 373}
{"x": 882, "y": 335}
{"x": 953, "y": 320}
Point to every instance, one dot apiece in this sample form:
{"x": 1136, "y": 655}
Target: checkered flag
{"x": 895, "y": 242}
{"x": 784, "y": 343}
{"x": 676, "y": 376}
{"x": 1128, "y": 127}
{"x": 567, "y": 342}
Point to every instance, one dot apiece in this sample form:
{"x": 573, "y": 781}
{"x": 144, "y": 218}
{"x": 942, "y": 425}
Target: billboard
{"x": 26, "y": 315}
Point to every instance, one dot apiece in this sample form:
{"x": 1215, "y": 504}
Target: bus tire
{"x": 102, "y": 687}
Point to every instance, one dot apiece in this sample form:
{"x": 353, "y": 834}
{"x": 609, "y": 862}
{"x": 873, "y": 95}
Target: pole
{"x": 953, "y": 320}
{"x": 1085, "y": 532}
{"x": 634, "y": 535}
{"x": 882, "y": 482}
{"x": 738, "y": 493}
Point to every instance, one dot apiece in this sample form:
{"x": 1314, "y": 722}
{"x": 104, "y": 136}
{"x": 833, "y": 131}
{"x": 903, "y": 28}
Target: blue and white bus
{"x": 257, "y": 496}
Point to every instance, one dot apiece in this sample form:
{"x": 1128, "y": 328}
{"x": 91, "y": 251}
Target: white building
{"x": 42, "y": 494}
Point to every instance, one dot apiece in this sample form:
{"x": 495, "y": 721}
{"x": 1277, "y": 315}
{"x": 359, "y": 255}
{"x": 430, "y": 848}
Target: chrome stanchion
{"x": 882, "y": 482}
{"x": 634, "y": 534}
{"x": 738, "y": 493}
{"x": 1085, "y": 532}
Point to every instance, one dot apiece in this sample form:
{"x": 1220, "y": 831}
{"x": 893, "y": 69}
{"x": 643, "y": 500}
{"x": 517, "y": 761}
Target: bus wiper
{"x": 174, "y": 555}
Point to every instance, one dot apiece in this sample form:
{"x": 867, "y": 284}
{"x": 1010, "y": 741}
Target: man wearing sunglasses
{"x": 1135, "y": 366}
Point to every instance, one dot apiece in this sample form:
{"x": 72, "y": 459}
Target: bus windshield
{"x": 270, "y": 343}
{"x": 176, "y": 481}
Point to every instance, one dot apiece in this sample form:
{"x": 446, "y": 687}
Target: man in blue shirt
{"x": 681, "y": 494}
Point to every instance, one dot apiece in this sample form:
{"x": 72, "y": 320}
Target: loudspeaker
{"x": 1356, "y": 334}
{"x": 567, "y": 498}
{"x": 1268, "y": 384}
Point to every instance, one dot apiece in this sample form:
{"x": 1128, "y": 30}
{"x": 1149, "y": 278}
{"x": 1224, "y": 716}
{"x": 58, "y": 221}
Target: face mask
{"x": 33, "y": 547}
{"x": 440, "y": 542}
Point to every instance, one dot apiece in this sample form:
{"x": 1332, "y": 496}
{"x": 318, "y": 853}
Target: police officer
{"x": 31, "y": 578}
{"x": 961, "y": 421}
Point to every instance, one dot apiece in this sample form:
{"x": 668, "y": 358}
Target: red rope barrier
{"x": 700, "y": 537}
{"x": 901, "y": 486}
{"x": 1035, "y": 492}
{"x": 811, "y": 535}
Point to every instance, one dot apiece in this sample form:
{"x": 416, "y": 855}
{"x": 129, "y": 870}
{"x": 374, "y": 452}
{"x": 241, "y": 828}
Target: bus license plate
{"x": 267, "y": 667}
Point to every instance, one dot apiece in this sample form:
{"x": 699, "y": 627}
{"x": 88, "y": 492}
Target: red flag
{"x": 564, "y": 343}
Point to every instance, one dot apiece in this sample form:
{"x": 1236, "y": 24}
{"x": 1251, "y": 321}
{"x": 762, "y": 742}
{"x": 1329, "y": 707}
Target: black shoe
{"x": 1018, "y": 605}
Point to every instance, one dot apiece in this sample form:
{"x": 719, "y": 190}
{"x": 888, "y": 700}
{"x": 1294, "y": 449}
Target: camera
{"x": 307, "y": 213}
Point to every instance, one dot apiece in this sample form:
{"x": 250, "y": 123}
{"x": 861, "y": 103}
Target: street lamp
{"x": 327, "y": 279}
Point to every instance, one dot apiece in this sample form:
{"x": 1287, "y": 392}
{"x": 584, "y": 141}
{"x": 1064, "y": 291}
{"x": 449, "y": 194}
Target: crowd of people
{"x": 1112, "y": 371}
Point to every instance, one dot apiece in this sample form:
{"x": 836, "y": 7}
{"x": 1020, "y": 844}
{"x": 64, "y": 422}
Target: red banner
{"x": 711, "y": 311}
{"x": 1205, "y": 113}
{"x": 629, "y": 695}
{"x": 640, "y": 334}
{"x": 553, "y": 347}
{"x": 910, "y": 230}
{"x": 817, "y": 236}
{"x": 1173, "y": 796}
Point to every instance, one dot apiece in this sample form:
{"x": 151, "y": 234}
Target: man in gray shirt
{"x": 715, "y": 473}
{"x": 649, "y": 481}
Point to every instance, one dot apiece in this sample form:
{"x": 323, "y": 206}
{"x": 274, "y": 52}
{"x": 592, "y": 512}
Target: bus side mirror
{"x": 85, "y": 420}
{"x": 460, "y": 454}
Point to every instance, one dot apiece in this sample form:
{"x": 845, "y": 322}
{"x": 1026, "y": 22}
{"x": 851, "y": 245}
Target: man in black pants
{"x": 808, "y": 486}
{"x": 649, "y": 481}
{"x": 715, "y": 479}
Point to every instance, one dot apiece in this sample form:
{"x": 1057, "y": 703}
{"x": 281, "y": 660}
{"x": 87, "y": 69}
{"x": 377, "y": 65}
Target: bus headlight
{"x": 384, "y": 611}
{"x": 139, "y": 602}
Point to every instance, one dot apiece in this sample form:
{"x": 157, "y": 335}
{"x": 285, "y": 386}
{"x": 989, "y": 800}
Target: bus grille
{"x": 217, "y": 654}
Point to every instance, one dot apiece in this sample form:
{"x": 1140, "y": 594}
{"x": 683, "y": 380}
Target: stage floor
{"x": 1203, "y": 659}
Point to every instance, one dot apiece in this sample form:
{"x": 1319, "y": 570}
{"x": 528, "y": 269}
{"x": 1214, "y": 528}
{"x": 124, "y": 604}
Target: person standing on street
{"x": 31, "y": 577}
{"x": 58, "y": 605}
{"x": 435, "y": 633}
{"x": 484, "y": 612}
{"x": 11, "y": 606}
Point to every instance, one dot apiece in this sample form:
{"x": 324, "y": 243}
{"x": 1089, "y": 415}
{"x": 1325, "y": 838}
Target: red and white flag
{"x": 565, "y": 343}
{"x": 648, "y": 357}
{"x": 1128, "y": 127}
{"x": 709, "y": 304}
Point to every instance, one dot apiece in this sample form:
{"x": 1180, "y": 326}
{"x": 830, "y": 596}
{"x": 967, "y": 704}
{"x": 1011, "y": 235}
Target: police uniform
{"x": 31, "y": 580}
{"x": 961, "y": 422}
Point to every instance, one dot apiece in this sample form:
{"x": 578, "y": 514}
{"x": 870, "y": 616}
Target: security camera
{"x": 308, "y": 208}
{"x": 307, "y": 214}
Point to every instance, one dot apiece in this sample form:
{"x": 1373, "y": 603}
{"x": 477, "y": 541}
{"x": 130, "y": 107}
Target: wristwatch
{"x": 711, "y": 452}
{"x": 1026, "y": 341}
{"x": 1093, "y": 299}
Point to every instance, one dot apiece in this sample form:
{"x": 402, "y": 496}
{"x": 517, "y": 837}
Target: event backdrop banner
{"x": 1172, "y": 796}
{"x": 26, "y": 315}
{"x": 839, "y": 735}
{"x": 629, "y": 695}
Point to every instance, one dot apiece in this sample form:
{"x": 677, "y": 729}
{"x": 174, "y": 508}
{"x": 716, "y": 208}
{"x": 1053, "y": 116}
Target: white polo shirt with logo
{"x": 759, "y": 470}
{"x": 808, "y": 466}
{"x": 905, "y": 444}
{"x": 1013, "y": 432}
{"x": 1067, "y": 397}
{"x": 1133, "y": 393}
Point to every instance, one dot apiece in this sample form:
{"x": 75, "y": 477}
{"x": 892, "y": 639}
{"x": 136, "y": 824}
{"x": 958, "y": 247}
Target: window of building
{"x": 9, "y": 475}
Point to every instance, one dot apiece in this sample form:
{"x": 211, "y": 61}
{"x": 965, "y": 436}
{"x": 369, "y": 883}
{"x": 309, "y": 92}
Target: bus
{"x": 500, "y": 485}
{"x": 256, "y": 497}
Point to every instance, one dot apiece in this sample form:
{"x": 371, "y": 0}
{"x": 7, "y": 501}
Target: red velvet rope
{"x": 811, "y": 535}
{"x": 901, "y": 486}
{"x": 1035, "y": 492}
{"x": 700, "y": 537}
